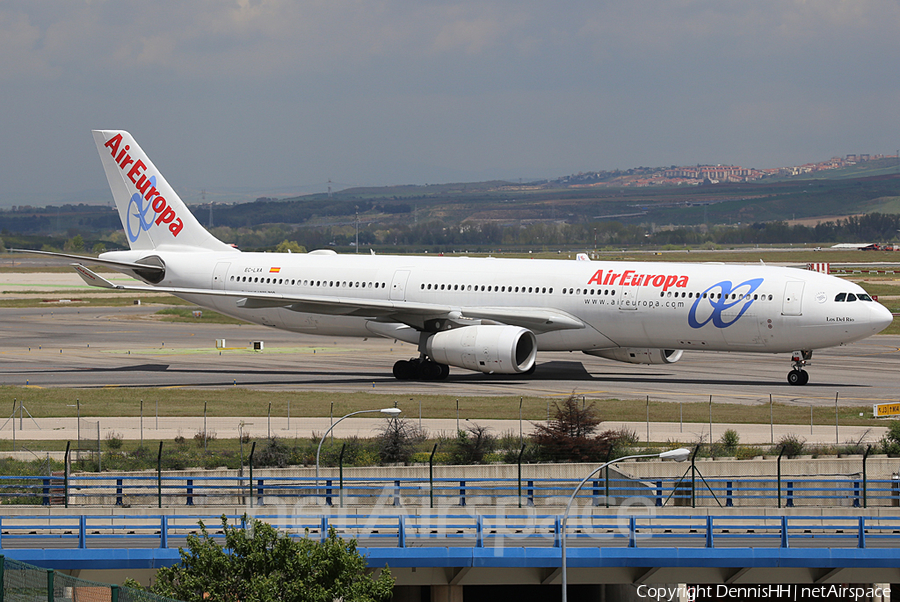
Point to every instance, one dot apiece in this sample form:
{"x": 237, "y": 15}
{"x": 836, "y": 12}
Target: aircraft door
{"x": 628, "y": 297}
{"x": 219, "y": 274}
{"x": 398, "y": 285}
{"x": 793, "y": 299}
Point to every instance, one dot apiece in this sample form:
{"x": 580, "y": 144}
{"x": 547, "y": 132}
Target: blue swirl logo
{"x": 138, "y": 220}
{"x": 718, "y": 298}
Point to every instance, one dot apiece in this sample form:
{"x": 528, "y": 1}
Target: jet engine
{"x": 639, "y": 356}
{"x": 485, "y": 348}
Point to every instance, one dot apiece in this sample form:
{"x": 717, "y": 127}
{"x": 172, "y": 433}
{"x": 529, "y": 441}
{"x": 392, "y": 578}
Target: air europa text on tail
{"x": 145, "y": 187}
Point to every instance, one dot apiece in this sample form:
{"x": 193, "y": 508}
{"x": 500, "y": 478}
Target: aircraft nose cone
{"x": 881, "y": 317}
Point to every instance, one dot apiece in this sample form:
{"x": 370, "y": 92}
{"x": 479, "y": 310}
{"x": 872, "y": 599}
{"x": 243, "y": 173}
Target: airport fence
{"x": 400, "y": 529}
{"x": 20, "y": 582}
{"x": 858, "y": 481}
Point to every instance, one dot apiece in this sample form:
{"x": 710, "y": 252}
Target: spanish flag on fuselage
{"x": 274, "y": 270}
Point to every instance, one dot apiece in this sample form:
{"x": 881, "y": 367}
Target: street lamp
{"x": 389, "y": 411}
{"x": 679, "y": 455}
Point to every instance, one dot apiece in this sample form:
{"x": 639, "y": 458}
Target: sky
{"x": 277, "y": 97}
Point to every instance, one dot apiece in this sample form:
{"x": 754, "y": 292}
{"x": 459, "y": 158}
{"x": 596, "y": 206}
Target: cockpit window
{"x": 841, "y": 297}
{"x": 863, "y": 297}
{"x": 851, "y": 297}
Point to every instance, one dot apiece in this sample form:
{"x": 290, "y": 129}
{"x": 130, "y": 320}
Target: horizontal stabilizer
{"x": 130, "y": 265}
{"x": 92, "y": 278}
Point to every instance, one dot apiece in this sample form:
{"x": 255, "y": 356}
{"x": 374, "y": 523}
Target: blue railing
{"x": 468, "y": 531}
{"x": 110, "y": 490}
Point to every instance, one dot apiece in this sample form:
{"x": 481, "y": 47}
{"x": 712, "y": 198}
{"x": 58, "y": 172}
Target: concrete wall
{"x": 496, "y": 485}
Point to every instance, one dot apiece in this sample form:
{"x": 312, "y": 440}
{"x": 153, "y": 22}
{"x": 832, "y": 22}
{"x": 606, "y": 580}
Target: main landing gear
{"x": 797, "y": 375}
{"x": 420, "y": 369}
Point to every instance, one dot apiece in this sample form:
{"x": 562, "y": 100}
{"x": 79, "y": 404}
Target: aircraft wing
{"x": 414, "y": 314}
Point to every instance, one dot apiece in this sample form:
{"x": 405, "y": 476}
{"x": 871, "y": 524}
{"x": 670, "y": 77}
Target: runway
{"x": 62, "y": 346}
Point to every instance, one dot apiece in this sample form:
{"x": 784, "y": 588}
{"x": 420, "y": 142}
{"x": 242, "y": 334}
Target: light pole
{"x": 388, "y": 411}
{"x": 679, "y": 455}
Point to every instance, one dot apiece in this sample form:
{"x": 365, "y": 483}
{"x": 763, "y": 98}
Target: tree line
{"x": 486, "y": 236}
{"x": 441, "y": 236}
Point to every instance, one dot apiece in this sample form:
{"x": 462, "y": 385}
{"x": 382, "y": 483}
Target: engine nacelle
{"x": 485, "y": 348}
{"x": 639, "y": 356}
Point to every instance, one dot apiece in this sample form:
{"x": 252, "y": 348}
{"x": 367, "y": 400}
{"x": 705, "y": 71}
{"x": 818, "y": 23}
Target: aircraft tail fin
{"x": 152, "y": 213}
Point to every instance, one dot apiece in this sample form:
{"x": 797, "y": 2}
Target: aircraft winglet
{"x": 92, "y": 278}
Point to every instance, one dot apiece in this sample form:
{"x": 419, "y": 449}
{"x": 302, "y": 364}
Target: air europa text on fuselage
{"x": 632, "y": 278}
{"x": 145, "y": 186}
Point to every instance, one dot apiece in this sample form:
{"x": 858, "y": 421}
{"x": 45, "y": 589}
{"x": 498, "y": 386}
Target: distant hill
{"x": 866, "y": 187}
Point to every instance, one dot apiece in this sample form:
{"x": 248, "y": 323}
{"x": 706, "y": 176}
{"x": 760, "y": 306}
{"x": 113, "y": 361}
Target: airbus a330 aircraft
{"x": 488, "y": 315}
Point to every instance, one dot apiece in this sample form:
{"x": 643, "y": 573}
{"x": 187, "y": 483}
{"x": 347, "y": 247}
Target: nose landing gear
{"x": 797, "y": 375}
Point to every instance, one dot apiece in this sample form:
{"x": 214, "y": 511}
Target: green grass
{"x": 238, "y": 402}
{"x": 120, "y": 300}
{"x": 187, "y": 315}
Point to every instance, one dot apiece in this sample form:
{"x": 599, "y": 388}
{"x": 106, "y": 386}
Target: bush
{"x": 202, "y": 437}
{"x": 747, "y": 452}
{"x": 472, "y": 445}
{"x": 397, "y": 439}
{"x": 890, "y": 442}
{"x": 730, "y": 440}
{"x": 568, "y": 436}
{"x": 114, "y": 440}
{"x": 792, "y": 445}
{"x": 275, "y": 453}
{"x": 260, "y": 564}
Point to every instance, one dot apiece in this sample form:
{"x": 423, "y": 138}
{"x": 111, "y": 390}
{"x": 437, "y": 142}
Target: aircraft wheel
{"x": 404, "y": 370}
{"x": 429, "y": 370}
{"x": 798, "y": 377}
{"x": 445, "y": 372}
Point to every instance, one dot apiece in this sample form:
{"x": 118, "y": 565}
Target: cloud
{"x": 383, "y": 90}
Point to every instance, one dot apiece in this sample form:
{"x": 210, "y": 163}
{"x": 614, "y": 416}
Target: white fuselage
{"x": 623, "y": 304}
